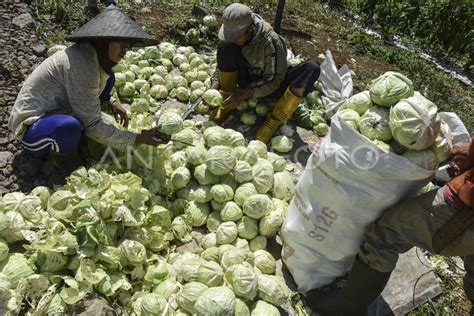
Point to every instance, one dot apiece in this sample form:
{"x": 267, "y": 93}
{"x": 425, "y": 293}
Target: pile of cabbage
{"x": 206, "y": 28}
{"x": 399, "y": 120}
{"x": 311, "y": 114}
{"x": 152, "y": 74}
{"x": 116, "y": 233}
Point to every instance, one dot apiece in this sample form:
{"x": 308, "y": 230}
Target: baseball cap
{"x": 237, "y": 17}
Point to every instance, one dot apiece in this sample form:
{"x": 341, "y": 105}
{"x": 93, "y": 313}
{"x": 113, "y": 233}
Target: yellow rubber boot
{"x": 228, "y": 81}
{"x": 281, "y": 113}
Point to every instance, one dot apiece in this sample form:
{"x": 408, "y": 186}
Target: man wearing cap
{"x": 61, "y": 100}
{"x": 252, "y": 62}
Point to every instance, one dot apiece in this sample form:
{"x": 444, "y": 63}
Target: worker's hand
{"x": 119, "y": 112}
{"x": 460, "y": 160}
{"x": 234, "y": 99}
{"x": 148, "y": 137}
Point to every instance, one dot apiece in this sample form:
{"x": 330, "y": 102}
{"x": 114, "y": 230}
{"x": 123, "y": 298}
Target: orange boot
{"x": 281, "y": 113}
{"x": 228, "y": 81}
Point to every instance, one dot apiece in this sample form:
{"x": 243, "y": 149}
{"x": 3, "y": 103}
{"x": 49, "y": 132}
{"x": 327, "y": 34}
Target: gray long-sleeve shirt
{"x": 68, "y": 82}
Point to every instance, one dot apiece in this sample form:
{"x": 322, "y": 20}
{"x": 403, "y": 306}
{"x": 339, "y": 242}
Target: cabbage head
{"x": 220, "y": 160}
{"x": 256, "y": 206}
{"x": 241, "y": 308}
{"x": 197, "y": 213}
{"x": 247, "y": 228}
{"x": 235, "y": 256}
{"x": 170, "y": 123}
{"x": 415, "y": 122}
{"x": 213, "y": 221}
{"x": 259, "y": 147}
{"x": 181, "y": 230}
{"x": 231, "y": 212}
{"x": 5, "y": 285}
{"x": 226, "y": 233}
{"x": 282, "y": 144}
{"x": 167, "y": 288}
{"x": 127, "y": 90}
{"x": 210, "y": 273}
{"x": 161, "y": 70}
{"x": 271, "y": 223}
{"x": 390, "y": 88}
{"x": 195, "y": 95}
{"x": 278, "y": 162}
{"x": 425, "y": 159}
{"x": 3, "y": 250}
{"x": 236, "y": 138}
{"x": 382, "y": 145}
{"x": 258, "y": 243}
{"x": 189, "y": 294}
{"x": 158, "y": 272}
{"x": 133, "y": 251}
{"x": 216, "y": 135}
{"x": 248, "y": 118}
{"x": 246, "y": 154}
{"x": 195, "y": 155}
{"x": 150, "y": 304}
{"x": 193, "y": 36}
{"x": 180, "y": 177}
{"x": 196, "y": 84}
{"x": 222, "y": 193}
{"x": 204, "y": 176}
{"x": 283, "y": 186}
{"x": 264, "y": 261}
{"x": 210, "y": 21}
{"x": 374, "y": 124}
{"x": 261, "y": 109}
{"x": 211, "y": 254}
{"x": 179, "y": 59}
{"x": 152, "y": 52}
{"x": 351, "y": 117}
{"x": 212, "y": 97}
{"x": 263, "y": 308}
{"x": 17, "y": 268}
{"x": 359, "y": 102}
{"x": 216, "y": 301}
{"x": 244, "y": 282}
{"x": 209, "y": 241}
{"x": 262, "y": 173}
{"x": 272, "y": 289}
{"x": 183, "y": 94}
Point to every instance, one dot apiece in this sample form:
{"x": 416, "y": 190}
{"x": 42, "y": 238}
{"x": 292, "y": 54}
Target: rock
{"x": 93, "y": 307}
{"x": 5, "y": 158}
{"x": 22, "y": 20}
{"x": 10, "y": 148}
{"x": 7, "y": 171}
{"x": 39, "y": 49}
{"x": 3, "y": 141}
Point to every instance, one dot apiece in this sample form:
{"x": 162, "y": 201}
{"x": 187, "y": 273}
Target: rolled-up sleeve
{"x": 82, "y": 86}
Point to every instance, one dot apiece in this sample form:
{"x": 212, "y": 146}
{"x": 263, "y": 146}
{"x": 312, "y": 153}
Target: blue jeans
{"x": 60, "y": 133}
